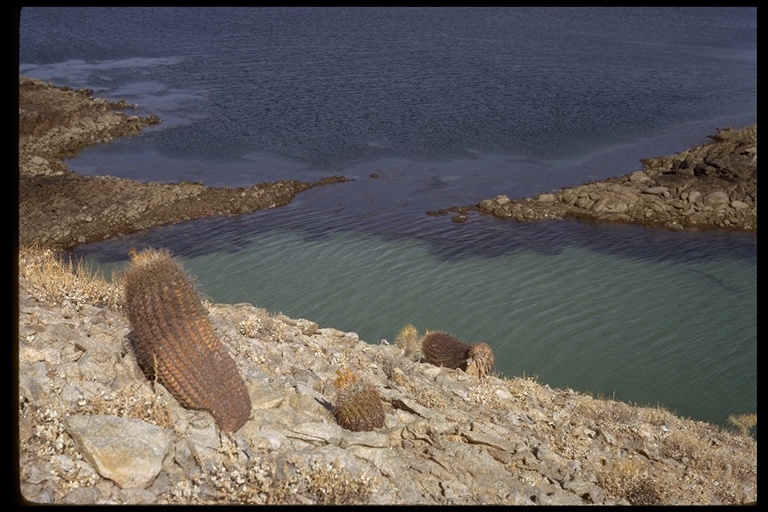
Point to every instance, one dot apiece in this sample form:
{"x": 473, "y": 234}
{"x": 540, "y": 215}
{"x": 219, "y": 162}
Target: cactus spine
{"x": 408, "y": 339}
{"x": 358, "y": 405}
{"x": 173, "y": 338}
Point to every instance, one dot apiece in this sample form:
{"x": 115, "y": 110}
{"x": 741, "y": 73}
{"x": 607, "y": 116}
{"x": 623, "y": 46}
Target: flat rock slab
{"x": 128, "y": 451}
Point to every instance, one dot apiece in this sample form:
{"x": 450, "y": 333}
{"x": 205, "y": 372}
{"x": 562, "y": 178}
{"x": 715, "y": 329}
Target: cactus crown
{"x": 345, "y": 378}
{"x": 408, "y": 340}
{"x": 407, "y": 332}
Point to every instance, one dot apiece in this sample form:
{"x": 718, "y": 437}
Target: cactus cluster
{"x": 173, "y": 339}
{"x": 358, "y": 405}
{"x": 443, "y": 349}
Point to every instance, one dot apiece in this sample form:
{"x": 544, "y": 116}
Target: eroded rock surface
{"x": 447, "y": 437}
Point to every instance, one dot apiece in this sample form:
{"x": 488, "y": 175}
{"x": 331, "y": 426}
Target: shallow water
{"x": 652, "y": 321}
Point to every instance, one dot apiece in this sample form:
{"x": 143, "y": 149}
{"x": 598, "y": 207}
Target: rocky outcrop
{"x": 94, "y": 430}
{"x": 709, "y": 186}
{"x": 56, "y": 122}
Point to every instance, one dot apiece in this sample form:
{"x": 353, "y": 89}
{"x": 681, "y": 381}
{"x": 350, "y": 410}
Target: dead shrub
{"x": 630, "y": 479}
{"x": 263, "y": 326}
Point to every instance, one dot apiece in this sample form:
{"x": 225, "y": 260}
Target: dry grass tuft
{"x": 630, "y": 478}
{"x": 139, "y": 402}
{"x": 393, "y": 365}
{"x": 323, "y": 484}
{"x": 656, "y": 415}
{"x": 261, "y": 325}
{"x": 684, "y": 446}
{"x": 708, "y": 452}
{"x": 524, "y": 385}
{"x": 276, "y": 481}
{"x": 53, "y": 278}
{"x": 49, "y": 440}
{"x": 607, "y": 411}
{"x": 743, "y": 422}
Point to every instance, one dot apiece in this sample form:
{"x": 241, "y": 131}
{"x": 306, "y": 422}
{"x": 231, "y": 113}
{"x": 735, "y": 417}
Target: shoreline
{"x": 447, "y": 437}
{"x": 711, "y": 186}
{"x": 61, "y": 209}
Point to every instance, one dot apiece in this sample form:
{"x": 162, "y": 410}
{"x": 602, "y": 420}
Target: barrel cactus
{"x": 173, "y": 339}
{"x": 409, "y": 340}
{"x": 443, "y": 349}
{"x": 358, "y": 404}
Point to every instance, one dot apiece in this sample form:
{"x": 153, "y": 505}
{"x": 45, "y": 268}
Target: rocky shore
{"x": 93, "y": 429}
{"x": 711, "y": 186}
{"x": 58, "y": 208}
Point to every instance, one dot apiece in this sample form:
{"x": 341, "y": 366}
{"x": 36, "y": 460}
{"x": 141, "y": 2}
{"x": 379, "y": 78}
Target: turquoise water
{"x": 680, "y": 334}
{"x": 646, "y": 332}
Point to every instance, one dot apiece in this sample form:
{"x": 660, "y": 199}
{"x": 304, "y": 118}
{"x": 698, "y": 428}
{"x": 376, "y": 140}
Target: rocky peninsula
{"x": 59, "y": 208}
{"x": 711, "y": 186}
{"x": 94, "y": 429}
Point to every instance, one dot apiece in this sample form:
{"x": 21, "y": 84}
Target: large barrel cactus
{"x": 173, "y": 339}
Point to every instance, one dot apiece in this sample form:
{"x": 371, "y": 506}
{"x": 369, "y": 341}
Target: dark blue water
{"x": 447, "y": 106}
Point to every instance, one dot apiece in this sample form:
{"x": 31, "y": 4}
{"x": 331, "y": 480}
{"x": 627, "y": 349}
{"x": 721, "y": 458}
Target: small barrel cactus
{"x": 479, "y": 360}
{"x": 358, "y": 405}
{"x": 173, "y": 338}
{"x": 408, "y": 339}
{"x": 443, "y": 349}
